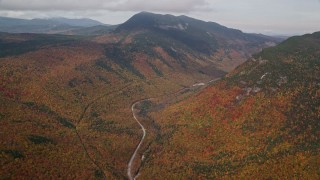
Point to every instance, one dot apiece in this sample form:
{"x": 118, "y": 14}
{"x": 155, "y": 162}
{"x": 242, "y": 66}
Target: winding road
{"x": 130, "y": 175}
{"x": 133, "y": 157}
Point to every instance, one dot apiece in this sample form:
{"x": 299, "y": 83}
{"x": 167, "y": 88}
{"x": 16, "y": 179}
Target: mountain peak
{"x": 147, "y": 20}
{"x": 201, "y": 36}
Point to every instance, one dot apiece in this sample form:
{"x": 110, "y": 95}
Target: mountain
{"x": 261, "y": 121}
{"x": 192, "y": 35}
{"x": 46, "y": 26}
{"x": 68, "y": 98}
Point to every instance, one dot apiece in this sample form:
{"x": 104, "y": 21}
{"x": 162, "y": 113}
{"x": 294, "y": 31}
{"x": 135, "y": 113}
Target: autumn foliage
{"x": 260, "y": 122}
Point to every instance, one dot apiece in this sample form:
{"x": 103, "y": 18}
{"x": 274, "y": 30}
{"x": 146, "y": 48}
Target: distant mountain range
{"x": 51, "y": 25}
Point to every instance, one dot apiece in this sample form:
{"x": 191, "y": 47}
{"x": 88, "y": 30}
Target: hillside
{"x": 260, "y": 122}
{"x": 65, "y": 108}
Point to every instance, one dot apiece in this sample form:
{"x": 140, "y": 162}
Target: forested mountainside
{"x": 259, "y": 122}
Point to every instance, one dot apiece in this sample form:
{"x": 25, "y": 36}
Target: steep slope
{"x": 262, "y": 121}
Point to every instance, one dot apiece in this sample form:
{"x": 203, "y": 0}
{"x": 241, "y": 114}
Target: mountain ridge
{"x": 46, "y": 26}
{"x": 83, "y": 22}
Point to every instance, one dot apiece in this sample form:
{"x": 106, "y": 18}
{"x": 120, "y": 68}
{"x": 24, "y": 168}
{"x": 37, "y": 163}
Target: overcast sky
{"x": 288, "y": 17}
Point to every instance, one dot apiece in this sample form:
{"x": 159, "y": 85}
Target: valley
{"x": 157, "y": 96}
{"x": 155, "y": 102}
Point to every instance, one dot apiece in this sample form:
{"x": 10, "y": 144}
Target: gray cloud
{"x": 110, "y": 5}
{"x": 164, "y": 5}
{"x": 39, "y": 5}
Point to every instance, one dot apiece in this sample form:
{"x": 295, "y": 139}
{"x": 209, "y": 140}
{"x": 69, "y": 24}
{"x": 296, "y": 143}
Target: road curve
{"x": 129, "y": 172}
